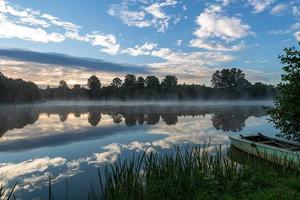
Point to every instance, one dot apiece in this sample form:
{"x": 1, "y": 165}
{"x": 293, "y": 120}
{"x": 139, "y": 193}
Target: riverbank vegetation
{"x": 17, "y": 90}
{"x": 286, "y": 113}
{"x": 197, "y": 173}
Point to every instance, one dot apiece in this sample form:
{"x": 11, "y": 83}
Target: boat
{"x": 272, "y": 149}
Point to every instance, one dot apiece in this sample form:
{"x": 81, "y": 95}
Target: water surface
{"x": 71, "y": 140}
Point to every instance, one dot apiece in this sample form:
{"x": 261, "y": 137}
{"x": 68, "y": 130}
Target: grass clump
{"x": 196, "y": 174}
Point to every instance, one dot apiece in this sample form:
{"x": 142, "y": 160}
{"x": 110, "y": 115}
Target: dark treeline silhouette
{"x": 15, "y": 91}
{"x": 228, "y": 118}
{"x": 225, "y": 84}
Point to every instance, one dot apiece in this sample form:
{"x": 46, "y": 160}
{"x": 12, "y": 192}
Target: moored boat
{"x": 269, "y": 148}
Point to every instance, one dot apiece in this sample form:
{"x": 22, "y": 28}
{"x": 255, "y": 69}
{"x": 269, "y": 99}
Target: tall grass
{"x": 190, "y": 174}
{"x": 7, "y": 193}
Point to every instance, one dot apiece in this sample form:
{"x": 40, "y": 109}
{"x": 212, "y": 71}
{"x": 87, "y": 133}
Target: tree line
{"x": 225, "y": 84}
{"x": 17, "y": 90}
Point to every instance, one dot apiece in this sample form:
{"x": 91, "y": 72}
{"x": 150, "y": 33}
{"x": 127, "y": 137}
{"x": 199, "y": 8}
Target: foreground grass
{"x": 193, "y": 174}
{"x": 196, "y": 174}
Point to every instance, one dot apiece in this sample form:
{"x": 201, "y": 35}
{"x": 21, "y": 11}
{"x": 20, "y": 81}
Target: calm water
{"x": 72, "y": 140}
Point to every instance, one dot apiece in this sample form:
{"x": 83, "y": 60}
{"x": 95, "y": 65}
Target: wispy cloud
{"x": 146, "y": 15}
{"x": 278, "y": 9}
{"x": 260, "y": 5}
{"x": 32, "y": 25}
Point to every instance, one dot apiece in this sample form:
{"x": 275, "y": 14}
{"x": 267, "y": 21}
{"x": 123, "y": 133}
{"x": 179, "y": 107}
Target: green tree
{"x": 116, "y": 83}
{"x": 130, "y": 81}
{"x": 94, "y": 86}
{"x": 152, "y": 82}
{"x": 286, "y": 113}
{"x": 63, "y": 84}
{"x": 228, "y": 78}
{"x": 140, "y": 82}
{"x": 170, "y": 81}
{"x": 77, "y": 87}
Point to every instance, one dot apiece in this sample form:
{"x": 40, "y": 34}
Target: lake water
{"x": 72, "y": 140}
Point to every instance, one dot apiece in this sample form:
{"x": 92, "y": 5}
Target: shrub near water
{"x": 195, "y": 174}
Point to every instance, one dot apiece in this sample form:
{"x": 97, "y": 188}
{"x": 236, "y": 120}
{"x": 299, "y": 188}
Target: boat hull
{"x": 266, "y": 152}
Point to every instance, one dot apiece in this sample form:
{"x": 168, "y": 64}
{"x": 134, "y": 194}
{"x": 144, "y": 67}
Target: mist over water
{"x": 72, "y": 140}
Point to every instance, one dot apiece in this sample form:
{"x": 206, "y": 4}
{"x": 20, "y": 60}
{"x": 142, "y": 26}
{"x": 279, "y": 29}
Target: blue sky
{"x": 190, "y": 39}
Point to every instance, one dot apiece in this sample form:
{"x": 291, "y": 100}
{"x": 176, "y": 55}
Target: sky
{"x": 52, "y": 40}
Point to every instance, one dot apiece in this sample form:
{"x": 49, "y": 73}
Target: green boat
{"x": 272, "y": 149}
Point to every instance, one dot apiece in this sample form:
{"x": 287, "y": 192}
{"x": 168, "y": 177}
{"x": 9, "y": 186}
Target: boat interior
{"x": 262, "y": 139}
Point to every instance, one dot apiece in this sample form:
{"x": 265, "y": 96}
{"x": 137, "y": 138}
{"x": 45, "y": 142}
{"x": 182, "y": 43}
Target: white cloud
{"x": 31, "y": 25}
{"x": 213, "y": 46}
{"x": 9, "y": 171}
{"x": 279, "y": 8}
{"x": 107, "y": 41}
{"x": 130, "y": 18}
{"x": 297, "y": 36}
{"x": 10, "y": 30}
{"x": 216, "y": 28}
{"x": 146, "y": 15}
{"x": 37, "y": 72}
{"x": 260, "y": 5}
{"x": 144, "y": 49}
{"x": 296, "y": 11}
{"x": 179, "y": 42}
{"x": 188, "y": 67}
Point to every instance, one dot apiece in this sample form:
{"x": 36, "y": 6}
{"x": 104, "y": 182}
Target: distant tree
{"x": 130, "y": 81}
{"x": 77, "y": 87}
{"x": 94, "y": 86}
{"x": 228, "y": 78}
{"x": 1, "y": 76}
{"x": 152, "y": 82}
{"x": 286, "y": 113}
{"x": 116, "y": 83}
{"x": 140, "y": 83}
{"x": 63, "y": 84}
{"x": 170, "y": 81}
{"x": 17, "y": 90}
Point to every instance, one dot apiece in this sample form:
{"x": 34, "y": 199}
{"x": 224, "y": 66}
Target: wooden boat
{"x": 272, "y": 149}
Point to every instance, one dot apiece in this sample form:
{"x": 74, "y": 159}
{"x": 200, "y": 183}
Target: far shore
{"x": 190, "y": 103}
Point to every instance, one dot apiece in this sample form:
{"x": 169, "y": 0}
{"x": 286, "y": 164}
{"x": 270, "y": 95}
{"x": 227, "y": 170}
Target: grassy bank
{"x": 194, "y": 174}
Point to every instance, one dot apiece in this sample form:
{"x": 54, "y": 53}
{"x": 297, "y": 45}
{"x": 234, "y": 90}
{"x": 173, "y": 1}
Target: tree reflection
{"x": 152, "y": 118}
{"x": 234, "y": 118}
{"x": 130, "y": 119}
{"x": 117, "y": 118}
{"x": 94, "y": 118}
{"x": 141, "y": 118}
{"x": 229, "y": 118}
{"x": 63, "y": 116}
{"x": 170, "y": 118}
{"x": 12, "y": 117}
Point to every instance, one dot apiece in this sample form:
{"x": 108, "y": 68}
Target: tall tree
{"x": 228, "y": 78}
{"x": 152, "y": 82}
{"x": 170, "y": 81}
{"x": 286, "y": 113}
{"x": 116, "y": 83}
{"x": 63, "y": 84}
{"x": 94, "y": 86}
{"x": 130, "y": 81}
{"x": 140, "y": 82}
